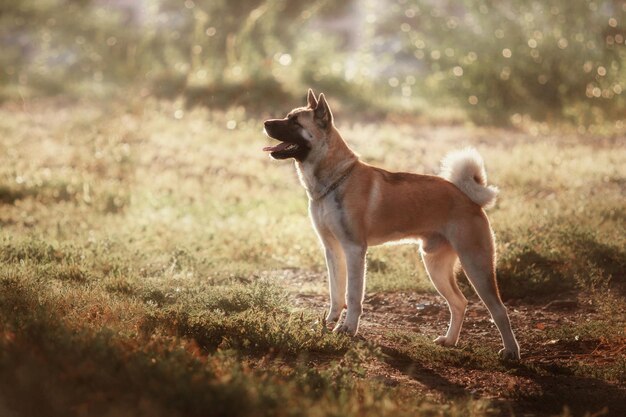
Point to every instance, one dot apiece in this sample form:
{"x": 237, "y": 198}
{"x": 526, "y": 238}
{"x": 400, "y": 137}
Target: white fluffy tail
{"x": 466, "y": 170}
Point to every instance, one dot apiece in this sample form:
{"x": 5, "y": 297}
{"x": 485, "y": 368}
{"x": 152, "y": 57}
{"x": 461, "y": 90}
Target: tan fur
{"x": 354, "y": 205}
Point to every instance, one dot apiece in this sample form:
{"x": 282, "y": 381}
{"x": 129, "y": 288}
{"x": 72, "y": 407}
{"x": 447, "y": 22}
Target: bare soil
{"x": 542, "y": 383}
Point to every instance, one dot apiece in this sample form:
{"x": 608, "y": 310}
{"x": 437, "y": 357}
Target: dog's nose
{"x": 272, "y": 122}
{"x": 267, "y": 127}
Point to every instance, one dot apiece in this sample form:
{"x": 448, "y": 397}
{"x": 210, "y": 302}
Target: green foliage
{"x": 51, "y": 51}
{"x": 499, "y": 59}
{"x": 214, "y": 52}
{"x": 256, "y": 94}
{"x": 423, "y": 352}
{"x": 248, "y": 317}
{"x": 254, "y": 331}
{"x": 539, "y": 266}
{"x": 32, "y": 250}
{"x": 589, "y": 331}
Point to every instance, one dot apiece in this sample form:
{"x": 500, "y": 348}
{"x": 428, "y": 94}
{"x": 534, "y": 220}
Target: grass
{"x": 149, "y": 256}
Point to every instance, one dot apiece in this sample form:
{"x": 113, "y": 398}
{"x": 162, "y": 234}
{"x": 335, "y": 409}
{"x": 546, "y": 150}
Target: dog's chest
{"x": 327, "y": 214}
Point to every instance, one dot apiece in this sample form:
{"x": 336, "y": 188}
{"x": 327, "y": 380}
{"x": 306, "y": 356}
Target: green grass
{"x": 149, "y": 255}
{"x": 420, "y": 350}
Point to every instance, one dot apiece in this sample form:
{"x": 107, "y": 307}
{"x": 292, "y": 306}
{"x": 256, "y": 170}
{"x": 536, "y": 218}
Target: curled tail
{"x": 466, "y": 170}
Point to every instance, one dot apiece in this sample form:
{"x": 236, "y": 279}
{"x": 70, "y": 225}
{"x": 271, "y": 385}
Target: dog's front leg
{"x": 336, "y": 264}
{"x": 355, "y": 260}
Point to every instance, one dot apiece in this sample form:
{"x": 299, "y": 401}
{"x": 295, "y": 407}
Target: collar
{"x": 332, "y": 187}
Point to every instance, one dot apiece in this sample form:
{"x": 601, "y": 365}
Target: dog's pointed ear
{"x": 311, "y": 100}
{"x": 323, "y": 115}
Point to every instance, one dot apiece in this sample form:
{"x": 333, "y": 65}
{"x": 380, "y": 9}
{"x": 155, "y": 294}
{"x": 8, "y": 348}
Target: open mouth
{"x": 284, "y": 150}
{"x": 291, "y": 145}
{"x": 283, "y": 146}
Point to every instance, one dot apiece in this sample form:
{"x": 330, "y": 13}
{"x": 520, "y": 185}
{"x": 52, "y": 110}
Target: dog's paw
{"x": 443, "y": 341}
{"x": 330, "y": 324}
{"x": 332, "y": 319}
{"x": 346, "y": 329}
{"x": 509, "y": 355}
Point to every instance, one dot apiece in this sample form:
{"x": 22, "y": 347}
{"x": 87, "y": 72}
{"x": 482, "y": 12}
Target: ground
{"x": 530, "y": 387}
{"x": 154, "y": 261}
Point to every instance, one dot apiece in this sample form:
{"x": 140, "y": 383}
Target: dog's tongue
{"x": 278, "y": 147}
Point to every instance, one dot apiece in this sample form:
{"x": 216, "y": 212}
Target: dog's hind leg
{"x": 439, "y": 259}
{"x": 477, "y": 255}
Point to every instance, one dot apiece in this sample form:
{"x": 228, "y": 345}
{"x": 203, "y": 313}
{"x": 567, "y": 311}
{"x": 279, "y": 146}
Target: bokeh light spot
{"x": 285, "y": 60}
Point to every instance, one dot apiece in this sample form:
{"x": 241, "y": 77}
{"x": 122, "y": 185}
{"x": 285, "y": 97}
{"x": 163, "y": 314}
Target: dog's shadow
{"x": 557, "y": 387}
{"x": 403, "y": 363}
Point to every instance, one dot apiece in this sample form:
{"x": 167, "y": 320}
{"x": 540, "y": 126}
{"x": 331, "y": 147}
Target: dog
{"x": 353, "y": 205}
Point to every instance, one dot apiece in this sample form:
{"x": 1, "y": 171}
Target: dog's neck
{"x": 324, "y": 169}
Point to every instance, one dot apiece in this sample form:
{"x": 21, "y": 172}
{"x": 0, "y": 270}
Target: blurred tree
{"x": 227, "y": 50}
{"x": 494, "y": 58}
{"x": 558, "y": 59}
{"x": 50, "y": 45}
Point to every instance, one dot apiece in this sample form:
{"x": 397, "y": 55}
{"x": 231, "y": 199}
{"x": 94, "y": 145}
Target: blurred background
{"x": 498, "y": 62}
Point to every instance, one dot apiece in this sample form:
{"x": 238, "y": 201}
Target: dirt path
{"x": 540, "y": 384}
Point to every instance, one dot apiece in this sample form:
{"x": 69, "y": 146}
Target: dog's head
{"x": 302, "y": 131}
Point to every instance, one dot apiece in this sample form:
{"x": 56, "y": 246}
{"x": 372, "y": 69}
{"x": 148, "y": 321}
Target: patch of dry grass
{"x": 141, "y": 244}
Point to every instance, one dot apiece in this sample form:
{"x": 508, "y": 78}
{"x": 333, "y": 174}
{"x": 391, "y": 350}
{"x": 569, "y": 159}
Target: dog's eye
{"x": 295, "y": 122}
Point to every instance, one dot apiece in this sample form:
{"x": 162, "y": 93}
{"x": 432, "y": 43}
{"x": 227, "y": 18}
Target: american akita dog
{"x": 354, "y": 205}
